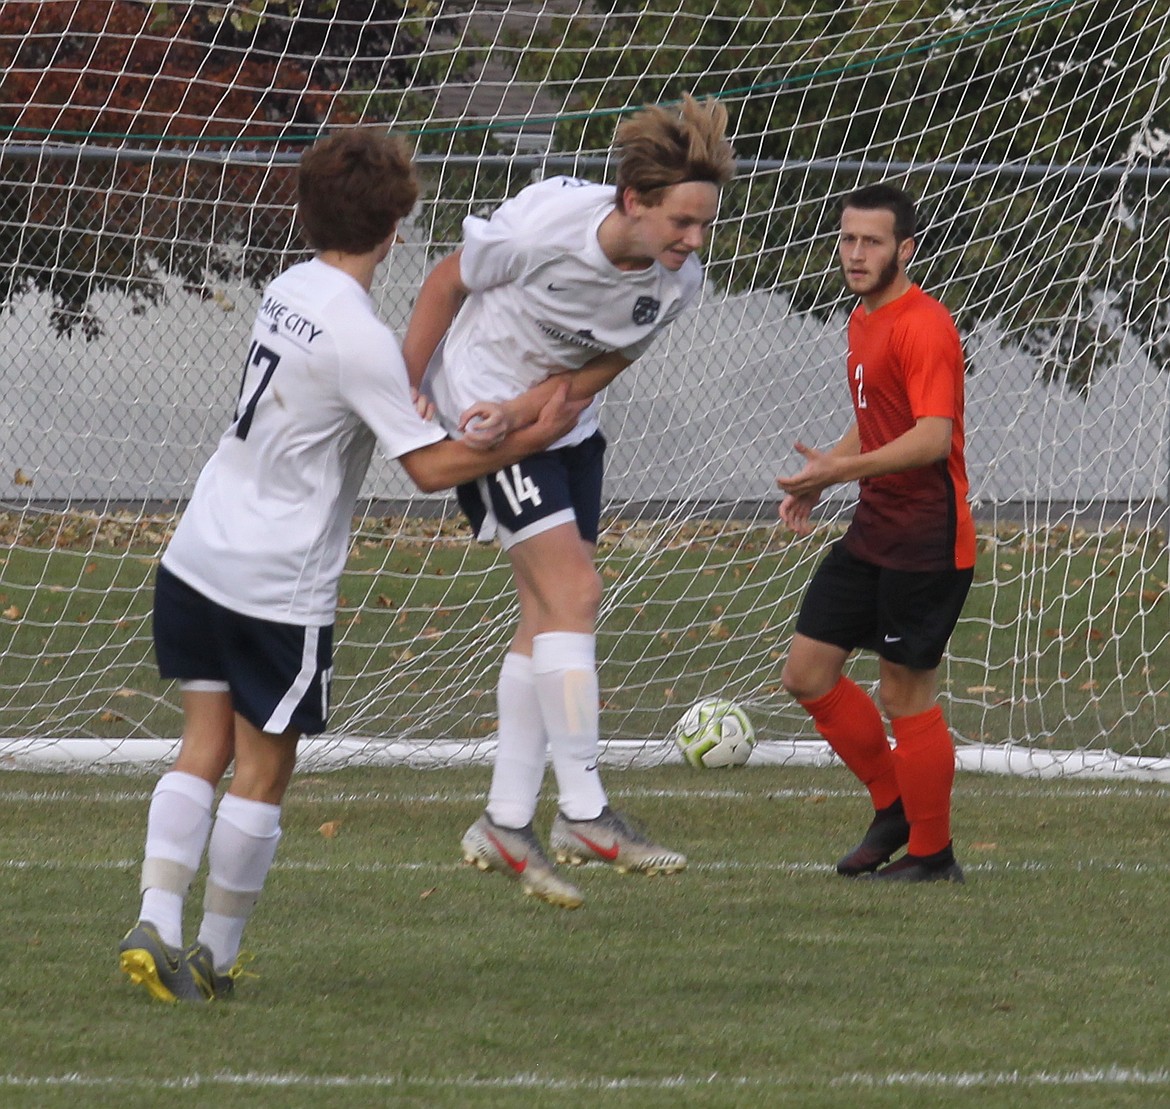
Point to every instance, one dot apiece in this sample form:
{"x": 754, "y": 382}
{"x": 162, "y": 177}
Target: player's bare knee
{"x": 900, "y": 701}
{"x": 890, "y": 703}
{"x": 580, "y": 594}
{"x": 591, "y": 590}
{"x": 797, "y": 683}
{"x": 570, "y": 599}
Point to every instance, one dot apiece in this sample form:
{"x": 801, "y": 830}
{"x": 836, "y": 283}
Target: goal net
{"x": 146, "y": 193}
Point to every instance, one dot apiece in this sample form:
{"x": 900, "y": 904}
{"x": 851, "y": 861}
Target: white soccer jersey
{"x": 267, "y": 530}
{"x": 545, "y": 298}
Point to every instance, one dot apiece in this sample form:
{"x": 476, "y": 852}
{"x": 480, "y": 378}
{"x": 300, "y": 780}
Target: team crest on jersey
{"x": 646, "y": 310}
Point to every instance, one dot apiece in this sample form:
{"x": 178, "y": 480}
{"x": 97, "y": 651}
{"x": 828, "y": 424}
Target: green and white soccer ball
{"x": 715, "y": 732}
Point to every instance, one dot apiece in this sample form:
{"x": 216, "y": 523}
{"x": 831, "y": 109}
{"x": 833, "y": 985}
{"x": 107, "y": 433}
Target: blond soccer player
{"x": 567, "y": 281}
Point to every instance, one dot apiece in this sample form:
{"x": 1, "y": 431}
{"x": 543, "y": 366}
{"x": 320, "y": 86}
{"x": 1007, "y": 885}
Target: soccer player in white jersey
{"x": 573, "y": 280}
{"x": 246, "y": 592}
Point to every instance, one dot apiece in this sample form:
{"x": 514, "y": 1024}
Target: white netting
{"x": 145, "y": 191}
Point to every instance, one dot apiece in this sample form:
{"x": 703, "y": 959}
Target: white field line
{"x": 1105, "y": 1076}
{"x": 1029, "y": 866}
{"x": 316, "y": 795}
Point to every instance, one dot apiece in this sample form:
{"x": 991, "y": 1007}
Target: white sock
{"x": 239, "y": 856}
{"x": 565, "y": 672}
{"x": 520, "y": 754}
{"x": 176, "y": 833}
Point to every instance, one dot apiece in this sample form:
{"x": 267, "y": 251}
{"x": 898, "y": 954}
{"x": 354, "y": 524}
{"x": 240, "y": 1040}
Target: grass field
{"x": 1063, "y": 642}
{"x": 390, "y": 975}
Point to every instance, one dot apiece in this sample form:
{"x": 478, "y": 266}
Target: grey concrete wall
{"x": 711, "y": 412}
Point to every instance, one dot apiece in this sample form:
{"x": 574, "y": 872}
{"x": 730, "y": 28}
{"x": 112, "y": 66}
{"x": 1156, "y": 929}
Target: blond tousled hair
{"x": 661, "y": 147}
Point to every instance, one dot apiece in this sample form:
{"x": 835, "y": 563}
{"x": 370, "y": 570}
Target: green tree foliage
{"x": 196, "y": 82}
{"x": 1040, "y": 133}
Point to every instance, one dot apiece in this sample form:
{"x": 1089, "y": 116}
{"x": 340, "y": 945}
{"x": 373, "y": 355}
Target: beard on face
{"x": 888, "y": 275}
{"x": 885, "y": 278}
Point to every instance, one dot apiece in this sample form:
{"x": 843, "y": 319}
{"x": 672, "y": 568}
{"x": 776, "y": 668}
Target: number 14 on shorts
{"x": 517, "y": 488}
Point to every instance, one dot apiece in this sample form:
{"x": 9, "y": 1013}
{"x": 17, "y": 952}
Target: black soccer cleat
{"x": 889, "y": 832}
{"x": 939, "y": 867}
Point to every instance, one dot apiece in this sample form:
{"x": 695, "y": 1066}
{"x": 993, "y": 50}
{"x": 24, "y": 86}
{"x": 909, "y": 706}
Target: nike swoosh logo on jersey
{"x": 557, "y": 288}
{"x": 518, "y": 865}
{"x": 893, "y": 638}
{"x": 610, "y": 853}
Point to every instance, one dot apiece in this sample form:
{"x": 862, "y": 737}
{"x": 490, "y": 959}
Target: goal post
{"x": 140, "y": 214}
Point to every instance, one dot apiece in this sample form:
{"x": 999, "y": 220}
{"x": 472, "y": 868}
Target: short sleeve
{"x": 374, "y": 384}
{"x": 496, "y": 250}
{"x": 932, "y": 363}
{"x": 540, "y": 222}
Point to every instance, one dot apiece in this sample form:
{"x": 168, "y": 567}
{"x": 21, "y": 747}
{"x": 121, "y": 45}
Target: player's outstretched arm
{"x": 927, "y": 442}
{"x": 484, "y": 424}
{"x": 451, "y": 462}
{"x": 821, "y": 468}
{"x": 439, "y": 300}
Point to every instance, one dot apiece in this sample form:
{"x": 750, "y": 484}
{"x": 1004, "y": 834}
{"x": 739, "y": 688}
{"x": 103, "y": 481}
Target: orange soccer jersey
{"x": 906, "y": 362}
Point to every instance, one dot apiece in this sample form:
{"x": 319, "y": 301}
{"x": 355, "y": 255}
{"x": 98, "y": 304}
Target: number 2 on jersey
{"x": 859, "y": 377}
{"x": 259, "y": 356}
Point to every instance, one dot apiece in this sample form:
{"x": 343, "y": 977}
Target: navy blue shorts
{"x": 278, "y": 674}
{"x": 906, "y": 616}
{"x": 538, "y": 493}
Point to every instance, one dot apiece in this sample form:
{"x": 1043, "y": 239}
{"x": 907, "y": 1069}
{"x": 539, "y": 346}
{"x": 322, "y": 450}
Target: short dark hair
{"x": 892, "y": 199}
{"x": 353, "y": 187}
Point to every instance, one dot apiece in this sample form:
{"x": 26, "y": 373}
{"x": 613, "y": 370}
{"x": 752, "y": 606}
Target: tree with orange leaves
{"x": 141, "y": 136}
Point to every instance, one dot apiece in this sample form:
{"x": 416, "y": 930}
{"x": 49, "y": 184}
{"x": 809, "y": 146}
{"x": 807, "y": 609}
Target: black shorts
{"x": 278, "y": 674}
{"x": 906, "y": 616}
{"x": 538, "y": 493}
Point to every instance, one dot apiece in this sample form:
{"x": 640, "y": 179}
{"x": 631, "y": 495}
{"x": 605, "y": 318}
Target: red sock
{"x": 924, "y": 756}
{"x": 850, "y": 723}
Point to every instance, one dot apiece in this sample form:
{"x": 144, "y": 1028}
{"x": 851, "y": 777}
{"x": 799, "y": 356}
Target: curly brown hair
{"x": 662, "y": 147}
{"x": 353, "y": 187}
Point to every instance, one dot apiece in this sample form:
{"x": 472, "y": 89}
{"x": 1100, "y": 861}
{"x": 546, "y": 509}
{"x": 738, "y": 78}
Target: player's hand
{"x": 796, "y": 512}
{"x": 422, "y": 404}
{"x": 818, "y": 472}
{"x": 485, "y": 425}
{"x": 804, "y": 489}
{"x": 558, "y": 416}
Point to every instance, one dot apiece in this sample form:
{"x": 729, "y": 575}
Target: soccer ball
{"x": 714, "y": 733}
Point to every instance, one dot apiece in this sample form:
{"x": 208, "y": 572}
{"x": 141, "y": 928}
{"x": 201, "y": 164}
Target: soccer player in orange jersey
{"x": 896, "y": 582}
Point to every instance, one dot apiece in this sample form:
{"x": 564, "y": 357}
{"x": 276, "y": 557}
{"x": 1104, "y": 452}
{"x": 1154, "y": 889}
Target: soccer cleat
{"x": 939, "y": 867}
{"x": 211, "y": 984}
{"x": 889, "y": 832}
{"x": 151, "y": 963}
{"x": 517, "y": 853}
{"x": 608, "y": 838}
